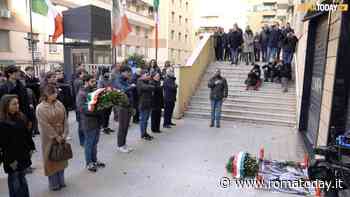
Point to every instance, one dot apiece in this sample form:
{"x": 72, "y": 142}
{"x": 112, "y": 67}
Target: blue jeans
{"x": 216, "y": 105}
{"x": 56, "y": 181}
{"x": 287, "y": 57}
{"x": 271, "y": 54}
{"x": 17, "y": 183}
{"x": 91, "y": 140}
{"x": 264, "y": 53}
{"x": 234, "y": 55}
{"x": 144, "y": 116}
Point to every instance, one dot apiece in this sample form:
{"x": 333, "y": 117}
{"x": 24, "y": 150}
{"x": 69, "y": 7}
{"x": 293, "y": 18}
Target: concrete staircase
{"x": 266, "y": 106}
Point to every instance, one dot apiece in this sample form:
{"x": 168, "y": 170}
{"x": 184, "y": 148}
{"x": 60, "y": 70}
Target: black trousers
{"x": 105, "y": 118}
{"x": 136, "y": 117}
{"x": 155, "y": 119}
{"x": 168, "y": 112}
{"x": 124, "y": 117}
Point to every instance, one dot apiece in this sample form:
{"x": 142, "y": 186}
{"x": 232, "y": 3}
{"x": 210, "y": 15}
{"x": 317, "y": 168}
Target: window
{"x": 137, "y": 30}
{"x": 269, "y": 6}
{"x": 180, "y": 3}
{"x": 186, "y": 21}
{"x": 33, "y": 45}
{"x": 137, "y": 8}
{"x": 4, "y": 40}
{"x": 179, "y": 36}
{"x": 173, "y": 1}
{"x": 180, "y": 20}
{"x": 146, "y": 52}
{"x": 173, "y": 17}
{"x": 146, "y": 33}
{"x": 172, "y": 54}
{"x": 172, "y": 34}
{"x": 127, "y": 50}
{"x": 137, "y": 50}
{"x": 179, "y": 55}
{"x": 3, "y": 4}
{"x": 186, "y": 6}
{"x": 186, "y": 38}
{"x": 52, "y": 47}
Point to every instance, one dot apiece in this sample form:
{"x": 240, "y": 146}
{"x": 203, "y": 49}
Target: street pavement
{"x": 185, "y": 161}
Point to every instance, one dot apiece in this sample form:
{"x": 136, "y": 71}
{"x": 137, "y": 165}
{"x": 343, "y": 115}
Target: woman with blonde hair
{"x": 53, "y": 127}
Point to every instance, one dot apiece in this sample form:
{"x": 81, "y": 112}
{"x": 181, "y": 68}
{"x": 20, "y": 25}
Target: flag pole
{"x": 156, "y": 40}
{"x": 31, "y": 32}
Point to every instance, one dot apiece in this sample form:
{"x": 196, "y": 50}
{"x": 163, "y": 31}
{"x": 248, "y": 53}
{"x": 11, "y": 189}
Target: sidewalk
{"x": 185, "y": 161}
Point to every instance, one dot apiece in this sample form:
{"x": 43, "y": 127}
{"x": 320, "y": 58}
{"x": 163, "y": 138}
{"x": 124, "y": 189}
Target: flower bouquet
{"x": 243, "y": 165}
{"x": 105, "y": 98}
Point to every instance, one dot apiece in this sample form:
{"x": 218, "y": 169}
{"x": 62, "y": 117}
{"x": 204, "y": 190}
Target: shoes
{"x": 167, "y": 126}
{"x": 110, "y": 130}
{"x": 172, "y": 124}
{"x": 124, "y": 149}
{"x": 91, "y": 167}
{"x": 100, "y": 164}
{"x": 159, "y": 131}
{"x": 106, "y": 131}
{"x": 147, "y": 137}
{"x": 211, "y": 125}
{"x": 217, "y": 126}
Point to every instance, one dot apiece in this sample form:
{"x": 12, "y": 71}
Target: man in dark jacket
{"x": 170, "y": 92}
{"x": 145, "y": 91}
{"x": 289, "y": 45}
{"x": 122, "y": 83}
{"x": 218, "y": 92}
{"x": 219, "y": 44}
{"x": 91, "y": 124}
{"x": 105, "y": 82}
{"x": 273, "y": 43}
{"x": 264, "y": 39}
{"x": 64, "y": 91}
{"x": 157, "y": 103}
{"x": 32, "y": 82}
{"x": 134, "y": 79}
{"x": 236, "y": 40}
{"x": 226, "y": 44}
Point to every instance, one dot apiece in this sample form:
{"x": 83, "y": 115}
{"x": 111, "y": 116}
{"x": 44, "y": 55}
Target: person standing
{"x": 145, "y": 92}
{"x": 53, "y": 127}
{"x": 105, "y": 82}
{"x": 64, "y": 91}
{"x": 135, "y": 77}
{"x": 16, "y": 145}
{"x": 32, "y": 82}
{"x": 170, "y": 92}
{"x": 248, "y": 47}
{"x": 154, "y": 68}
{"x": 289, "y": 46}
{"x": 264, "y": 39}
{"x": 273, "y": 42}
{"x": 78, "y": 83}
{"x": 218, "y": 92}
{"x": 257, "y": 47}
{"x": 157, "y": 104}
{"x": 122, "y": 83}
{"x": 90, "y": 124}
{"x": 236, "y": 41}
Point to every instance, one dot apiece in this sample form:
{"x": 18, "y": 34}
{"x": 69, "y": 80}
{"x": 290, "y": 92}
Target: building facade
{"x": 263, "y": 12}
{"x": 323, "y": 85}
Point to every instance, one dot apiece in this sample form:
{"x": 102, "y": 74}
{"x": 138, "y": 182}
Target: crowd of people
{"x": 267, "y": 45}
{"x": 31, "y": 106}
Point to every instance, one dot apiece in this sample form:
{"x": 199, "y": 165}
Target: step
{"x": 260, "y": 121}
{"x": 240, "y": 106}
{"x": 253, "y": 114}
{"x": 262, "y": 90}
{"x": 290, "y": 93}
{"x": 247, "y": 95}
{"x": 197, "y": 99}
{"x": 243, "y": 86}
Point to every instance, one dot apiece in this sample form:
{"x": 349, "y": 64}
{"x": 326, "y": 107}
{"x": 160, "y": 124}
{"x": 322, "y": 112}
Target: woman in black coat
{"x": 16, "y": 145}
{"x": 170, "y": 92}
{"x": 157, "y": 104}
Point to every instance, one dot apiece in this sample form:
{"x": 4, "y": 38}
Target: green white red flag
{"x": 120, "y": 23}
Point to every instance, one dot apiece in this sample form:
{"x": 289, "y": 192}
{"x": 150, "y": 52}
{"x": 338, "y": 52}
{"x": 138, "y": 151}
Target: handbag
{"x": 60, "y": 152}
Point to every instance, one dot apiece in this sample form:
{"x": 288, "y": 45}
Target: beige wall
{"x": 189, "y": 76}
{"x": 329, "y": 79}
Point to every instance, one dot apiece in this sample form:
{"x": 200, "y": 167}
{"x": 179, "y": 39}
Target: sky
{"x": 229, "y": 11}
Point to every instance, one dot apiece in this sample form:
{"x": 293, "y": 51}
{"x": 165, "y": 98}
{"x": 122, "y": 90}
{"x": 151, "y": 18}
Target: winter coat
{"x": 78, "y": 83}
{"x": 65, "y": 95}
{"x": 274, "y": 38}
{"x": 89, "y": 120}
{"x": 19, "y": 90}
{"x": 248, "y": 46}
{"x": 264, "y": 38}
{"x": 257, "y": 42}
{"x": 16, "y": 143}
{"x": 157, "y": 97}
{"x": 145, "y": 92}
{"x": 170, "y": 89}
{"x": 220, "y": 90}
{"x": 236, "y": 39}
{"x": 34, "y": 84}
{"x": 135, "y": 95}
{"x": 290, "y": 43}
{"x": 52, "y": 122}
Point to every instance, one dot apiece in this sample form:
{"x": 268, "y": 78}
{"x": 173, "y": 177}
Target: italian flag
{"x": 120, "y": 24}
{"x": 156, "y": 7}
{"x": 93, "y": 97}
{"x": 46, "y": 8}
